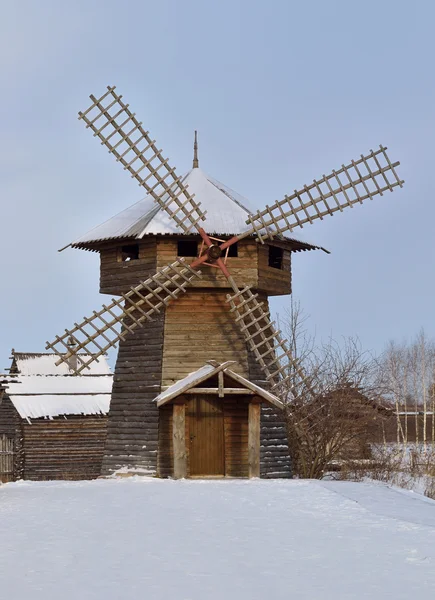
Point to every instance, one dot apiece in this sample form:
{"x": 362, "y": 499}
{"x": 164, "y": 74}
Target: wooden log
{"x": 179, "y": 440}
{"x": 254, "y": 439}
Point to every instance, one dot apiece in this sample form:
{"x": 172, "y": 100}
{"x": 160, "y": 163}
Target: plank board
{"x": 206, "y": 440}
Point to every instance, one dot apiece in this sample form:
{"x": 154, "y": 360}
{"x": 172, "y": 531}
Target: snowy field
{"x": 208, "y": 540}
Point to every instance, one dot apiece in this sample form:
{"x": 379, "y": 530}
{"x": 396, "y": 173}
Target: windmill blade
{"x": 118, "y": 129}
{"x": 100, "y": 332}
{"x": 281, "y": 370}
{"x": 351, "y": 184}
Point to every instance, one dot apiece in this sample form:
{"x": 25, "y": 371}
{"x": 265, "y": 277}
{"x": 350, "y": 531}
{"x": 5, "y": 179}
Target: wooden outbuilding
{"x": 52, "y": 422}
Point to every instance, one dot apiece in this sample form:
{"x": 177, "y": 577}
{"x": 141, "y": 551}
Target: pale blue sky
{"x": 281, "y": 92}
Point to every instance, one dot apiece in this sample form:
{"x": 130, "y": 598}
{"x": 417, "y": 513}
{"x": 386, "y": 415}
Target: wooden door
{"x": 206, "y": 436}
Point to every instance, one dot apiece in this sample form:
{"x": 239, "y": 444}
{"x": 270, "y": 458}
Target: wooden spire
{"x": 195, "y": 152}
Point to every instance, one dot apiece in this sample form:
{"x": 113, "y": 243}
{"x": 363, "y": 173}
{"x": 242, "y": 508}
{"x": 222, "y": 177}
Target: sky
{"x": 281, "y": 92}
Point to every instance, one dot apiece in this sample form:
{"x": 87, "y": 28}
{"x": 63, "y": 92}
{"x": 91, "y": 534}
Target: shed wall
{"x": 10, "y": 427}
{"x": 63, "y": 448}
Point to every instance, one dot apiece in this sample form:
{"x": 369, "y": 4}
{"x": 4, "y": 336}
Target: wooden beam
{"x": 216, "y": 391}
{"x": 254, "y": 439}
{"x": 179, "y": 440}
{"x": 189, "y": 381}
{"x": 255, "y": 388}
{"x": 221, "y": 384}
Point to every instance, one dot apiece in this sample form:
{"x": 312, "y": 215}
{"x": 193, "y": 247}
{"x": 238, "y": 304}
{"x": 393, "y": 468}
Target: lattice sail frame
{"x": 362, "y": 179}
{"x": 270, "y": 350}
{"x": 117, "y": 128}
{"x": 139, "y": 304}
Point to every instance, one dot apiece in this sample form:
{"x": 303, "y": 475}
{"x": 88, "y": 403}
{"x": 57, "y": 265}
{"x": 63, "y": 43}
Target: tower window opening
{"x": 233, "y": 251}
{"x": 130, "y": 252}
{"x": 187, "y": 248}
{"x": 275, "y": 257}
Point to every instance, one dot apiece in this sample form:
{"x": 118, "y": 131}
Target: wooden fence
{"x": 6, "y": 458}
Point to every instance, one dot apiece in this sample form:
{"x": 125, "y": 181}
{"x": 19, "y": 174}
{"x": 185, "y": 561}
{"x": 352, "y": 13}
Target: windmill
{"x": 200, "y": 366}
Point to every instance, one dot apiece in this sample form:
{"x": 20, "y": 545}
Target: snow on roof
{"x": 226, "y": 210}
{"x": 39, "y": 363}
{"x": 37, "y": 407}
{"x": 188, "y": 381}
{"x": 67, "y": 385}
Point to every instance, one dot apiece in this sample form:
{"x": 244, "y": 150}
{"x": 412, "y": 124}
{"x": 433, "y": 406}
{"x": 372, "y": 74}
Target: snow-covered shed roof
{"x": 226, "y": 210}
{"x": 207, "y": 371}
{"x": 66, "y": 385}
{"x": 44, "y": 363}
{"x": 38, "y": 388}
{"x": 45, "y": 406}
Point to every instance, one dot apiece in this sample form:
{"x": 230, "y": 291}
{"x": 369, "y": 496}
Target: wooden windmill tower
{"x": 200, "y": 365}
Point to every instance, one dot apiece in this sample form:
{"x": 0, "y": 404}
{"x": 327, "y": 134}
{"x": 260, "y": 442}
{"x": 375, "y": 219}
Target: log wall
{"x": 132, "y": 433}
{"x": 10, "y": 426}
{"x": 274, "y": 452}
{"x": 244, "y": 267}
{"x": 117, "y": 276}
{"x": 276, "y": 282}
{"x": 60, "y": 448}
{"x": 200, "y": 327}
{"x": 250, "y": 267}
{"x": 9, "y": 418}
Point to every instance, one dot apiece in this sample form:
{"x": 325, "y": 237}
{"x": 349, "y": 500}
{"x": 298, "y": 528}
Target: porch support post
{"x": 254, "y": 439}
{"x": 179, "y": 440}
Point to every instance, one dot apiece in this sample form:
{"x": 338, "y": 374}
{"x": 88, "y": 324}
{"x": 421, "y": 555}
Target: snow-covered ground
{"x": 147, "y": 539}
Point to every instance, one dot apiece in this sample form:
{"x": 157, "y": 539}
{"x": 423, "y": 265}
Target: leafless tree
{"x": 329, "y": 411}
{"x": 407, "y": 381}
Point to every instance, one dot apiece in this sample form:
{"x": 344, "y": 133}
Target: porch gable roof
{"x": 207, "y": 371}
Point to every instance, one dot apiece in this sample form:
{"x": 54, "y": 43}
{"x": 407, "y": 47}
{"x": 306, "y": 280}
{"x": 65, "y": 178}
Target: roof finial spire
{"x": 195, "y": 152}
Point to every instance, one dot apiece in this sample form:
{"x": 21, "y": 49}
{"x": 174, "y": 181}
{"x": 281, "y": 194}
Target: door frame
{"x": 181, "y": 439}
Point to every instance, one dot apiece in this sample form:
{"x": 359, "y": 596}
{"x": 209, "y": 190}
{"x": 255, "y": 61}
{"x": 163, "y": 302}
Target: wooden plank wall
{"x": 132, "y": 432}
{"x": 117, "y": 276}
{"x": 165, "y": 467}
{"x": 200, "y": 327}
{"x": 243, "y": 267}
{"x": 236, "y": 436}
{"x": 275, "y": 282}
{"x": 60, "y": 448}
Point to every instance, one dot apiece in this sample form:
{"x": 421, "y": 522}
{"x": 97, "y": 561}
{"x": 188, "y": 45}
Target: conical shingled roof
{"x": 226, "y": 215}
